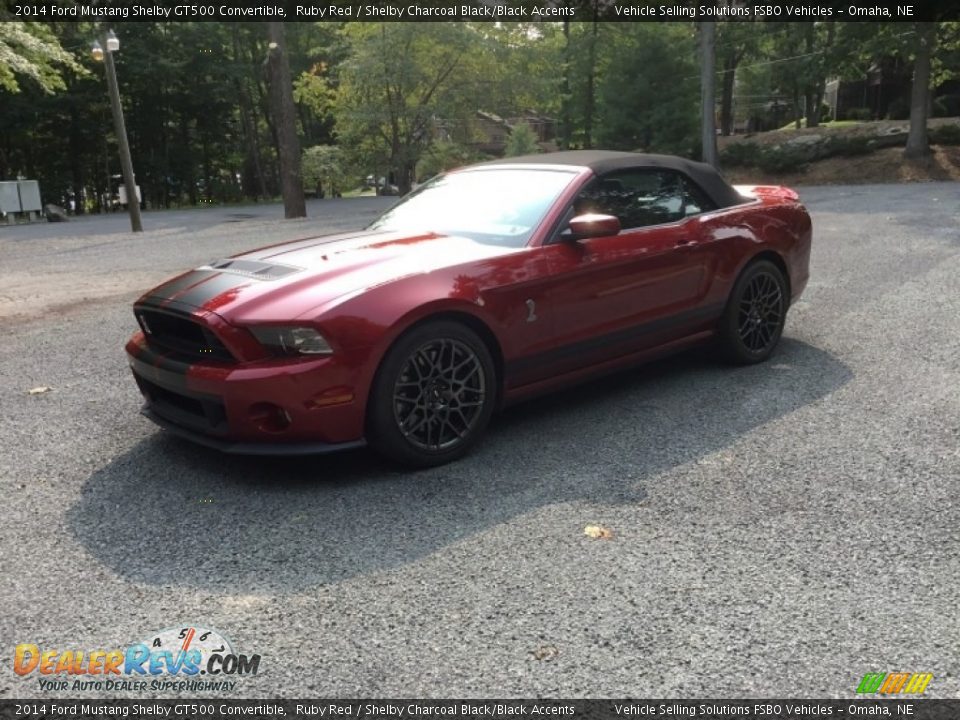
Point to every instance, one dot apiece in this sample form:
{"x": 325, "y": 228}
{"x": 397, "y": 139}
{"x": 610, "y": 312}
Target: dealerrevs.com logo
{"x": 184, "y": 658}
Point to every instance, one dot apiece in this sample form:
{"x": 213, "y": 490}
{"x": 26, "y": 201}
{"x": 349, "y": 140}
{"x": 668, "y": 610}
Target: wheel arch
{"x": 477, "y": 325}
{"x": 468, "y": 320}
{"x": 774, "y": 257}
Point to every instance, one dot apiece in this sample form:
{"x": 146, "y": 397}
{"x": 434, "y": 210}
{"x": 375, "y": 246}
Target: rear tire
{"x": 433, "y": 395}
{"x": 756, "y": 312}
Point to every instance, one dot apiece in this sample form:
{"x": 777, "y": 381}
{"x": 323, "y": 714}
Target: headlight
{"x": 292, "y": 340}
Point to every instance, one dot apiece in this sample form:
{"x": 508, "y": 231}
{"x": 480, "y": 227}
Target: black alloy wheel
{"x": 761, "y": 311}
{"x": 755, "y": 314}
{"x": 433, "y": 395}
{"x": 439, "y": 395}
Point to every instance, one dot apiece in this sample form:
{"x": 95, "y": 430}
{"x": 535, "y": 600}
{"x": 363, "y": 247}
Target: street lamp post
{"x": 103, "y": 49}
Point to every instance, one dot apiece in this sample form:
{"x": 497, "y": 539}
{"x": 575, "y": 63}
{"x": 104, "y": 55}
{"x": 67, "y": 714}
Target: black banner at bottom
{"x": 215, "y": 709}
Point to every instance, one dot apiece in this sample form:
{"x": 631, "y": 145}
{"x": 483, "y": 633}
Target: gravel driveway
{"x": 785, "y": 527}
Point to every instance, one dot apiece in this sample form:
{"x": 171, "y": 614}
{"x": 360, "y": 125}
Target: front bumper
{"x": 221, "y": 405}
{"x": 248, "y": 448}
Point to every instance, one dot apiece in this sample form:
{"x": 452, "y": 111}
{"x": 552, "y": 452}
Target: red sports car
{"x": 484, "y": 286}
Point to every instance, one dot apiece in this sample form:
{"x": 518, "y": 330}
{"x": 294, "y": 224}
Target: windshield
{"x": 496, "y": 206}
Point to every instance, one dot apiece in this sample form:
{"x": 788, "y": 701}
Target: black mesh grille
{"x": 205, "y": 413}
{"x": 180, "y": 337}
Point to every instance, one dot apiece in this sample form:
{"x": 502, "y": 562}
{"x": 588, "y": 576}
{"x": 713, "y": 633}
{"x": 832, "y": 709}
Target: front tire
{"x": 432, "y": 396}
{"x": 756, "y": 312}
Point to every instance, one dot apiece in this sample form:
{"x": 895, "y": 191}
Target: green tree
{"x": 284, "y": 117}
{"x": 736, "y": 41}
{"x": 522, "y": 141}
{"x": 647, "y": 95}
{"x": 398, "y": 81}
{"x": 315, "y": 51}
{"x": 31, "y": 50}
{"x": 442, "y": 155}
{"x": 930, "y": 48}
{"x": 518, "y": 70}
{"x": 325, "y": 169}
{"x": 708, "y": 98}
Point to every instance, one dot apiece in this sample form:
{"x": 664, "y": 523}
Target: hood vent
{"x": 252, "y": 268}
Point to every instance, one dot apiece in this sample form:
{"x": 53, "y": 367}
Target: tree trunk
{"x": 813, "y": 109}
{"x": 253, "y": 170}
{"x": 191, "y": 178}
{"x": 590, "y": 104}
{"x": 284, "y": 113}
{"x": 810, "y": 105}
{"x": 726, "y": 96}
{"x": 708, "y": 120}
{"x": 820, "y": 90}
{"x": 76, "y": 164}
{"x": 404, "y": 174}
{"x": 262, "y": 105}
{"x": 566, "y": 121}
{"x": 917, "y": 144}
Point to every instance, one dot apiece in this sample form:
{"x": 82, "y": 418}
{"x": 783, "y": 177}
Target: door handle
{"x": 686, "y": 242}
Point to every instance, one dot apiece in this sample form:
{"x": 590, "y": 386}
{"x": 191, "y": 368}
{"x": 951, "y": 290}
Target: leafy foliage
{"x": 793, "y": 157}
{"x": 405, "y": 100}
{"x": 31, "y": 50}
{"x": 441, "y": 156}
{"x": 399, "y": 79}
{"x": 656, "y": 110}
{"x": 523, "y": 141}
{"x": 945, "y": 135}
{"x": 324, "y": 167}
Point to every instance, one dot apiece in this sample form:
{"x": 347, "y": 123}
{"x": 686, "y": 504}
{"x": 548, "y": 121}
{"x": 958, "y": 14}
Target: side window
{"x": 643, "y": 197}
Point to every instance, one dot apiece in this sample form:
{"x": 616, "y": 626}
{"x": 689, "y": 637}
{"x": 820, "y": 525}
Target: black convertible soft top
{"x": 604, "y": 161}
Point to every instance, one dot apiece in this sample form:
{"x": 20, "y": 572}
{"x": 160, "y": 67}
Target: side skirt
{"x": 514, "y": 395}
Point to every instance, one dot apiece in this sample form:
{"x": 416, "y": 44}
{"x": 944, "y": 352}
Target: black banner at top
{"x": 483, "y": 10}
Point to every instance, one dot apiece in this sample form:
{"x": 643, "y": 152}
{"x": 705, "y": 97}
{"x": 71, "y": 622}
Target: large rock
{"x": 805, "y": 140}
{"x": 54, "y": 213}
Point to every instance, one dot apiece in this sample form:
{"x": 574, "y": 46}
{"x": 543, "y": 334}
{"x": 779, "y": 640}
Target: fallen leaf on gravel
{"x": 547, "y": 652}
{"x": 39, "y": 390}
{"x": 597, "y": 532}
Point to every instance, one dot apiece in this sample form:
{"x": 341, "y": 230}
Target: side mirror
{"x": 591, "y": 225}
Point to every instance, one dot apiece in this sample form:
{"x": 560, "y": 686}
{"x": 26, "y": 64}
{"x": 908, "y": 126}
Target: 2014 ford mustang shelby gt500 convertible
{"x": 484, "y": 286}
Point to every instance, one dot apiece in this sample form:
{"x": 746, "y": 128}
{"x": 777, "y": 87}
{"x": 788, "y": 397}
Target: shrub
{"x": 325, "y": 169}
{"x": 771, "y": 159}
{"x": 945, "y": 135}
{"x": 858, "y": 113}
{"x": 740, "y": 154}
{"x": 951, "y": 104}
{"x": 780, "y": 159}
{"x": 522, "y": 141}
{"x": 899, "y": 109}
{"x": 442, "y": 155}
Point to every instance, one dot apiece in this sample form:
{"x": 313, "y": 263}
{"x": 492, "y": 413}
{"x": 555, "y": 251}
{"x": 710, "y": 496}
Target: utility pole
{"x": 126, "y": 163}
{"x": 284, "y": 114}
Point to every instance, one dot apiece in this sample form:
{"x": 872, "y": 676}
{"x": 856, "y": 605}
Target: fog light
{"x": 269, "y": 417}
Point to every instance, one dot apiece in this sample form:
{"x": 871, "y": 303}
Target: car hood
{"x": 295, "y": 279}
